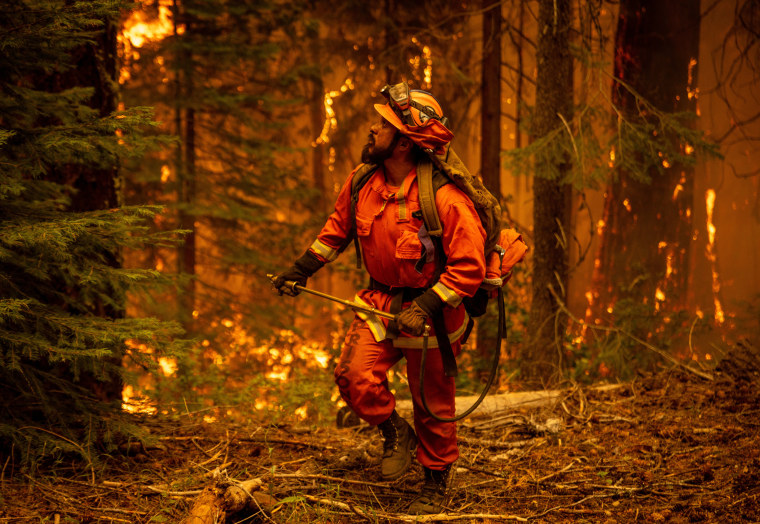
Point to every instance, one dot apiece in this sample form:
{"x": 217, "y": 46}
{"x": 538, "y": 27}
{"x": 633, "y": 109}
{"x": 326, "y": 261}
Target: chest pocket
{"x": 363, "y": 225}
{"x": 408, "y": 246}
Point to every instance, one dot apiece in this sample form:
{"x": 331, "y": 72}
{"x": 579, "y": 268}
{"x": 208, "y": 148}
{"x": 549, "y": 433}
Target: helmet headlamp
{"x": 401, "y": 102}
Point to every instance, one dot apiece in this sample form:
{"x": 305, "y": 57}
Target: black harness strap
{"x": 444, "y": 346}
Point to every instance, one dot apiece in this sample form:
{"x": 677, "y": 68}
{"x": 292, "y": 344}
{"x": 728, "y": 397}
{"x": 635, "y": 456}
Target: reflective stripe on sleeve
{"x": 324, "y": 251}
{"x": 447, "y": 295}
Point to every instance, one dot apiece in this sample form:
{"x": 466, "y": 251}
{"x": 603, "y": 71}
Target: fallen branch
{"x": 208, "y": 508}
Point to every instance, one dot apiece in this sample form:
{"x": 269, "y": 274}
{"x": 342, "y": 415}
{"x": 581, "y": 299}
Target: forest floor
{"x": 670, "y": 446}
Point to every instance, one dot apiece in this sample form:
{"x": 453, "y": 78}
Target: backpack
{"x": 504, "y": 247}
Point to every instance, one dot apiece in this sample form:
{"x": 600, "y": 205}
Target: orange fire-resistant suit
{"x": 388, "y": 228}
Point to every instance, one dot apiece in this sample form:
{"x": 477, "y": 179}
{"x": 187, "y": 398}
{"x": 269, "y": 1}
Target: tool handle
{"x": 353, "y": 305}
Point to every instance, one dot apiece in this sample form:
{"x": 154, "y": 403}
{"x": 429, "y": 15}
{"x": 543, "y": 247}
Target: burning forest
{"x": 310, "y": 262}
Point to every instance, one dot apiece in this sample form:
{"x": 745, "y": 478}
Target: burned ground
{"x": 667, "y": 447}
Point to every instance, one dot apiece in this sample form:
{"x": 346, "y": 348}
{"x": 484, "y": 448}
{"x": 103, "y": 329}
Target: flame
{"x": 425, "y": 58}
{"x": 712, "y": 255}
{"x": 676, "y": 191}
{"x": 138, "y": 31}
{"x": 131, "y": 403}
{"x": 691, "y": 93}
{"x": 331, "y": 122}
{"x": 612, "y": 157}
{"x": 168, "y": 366}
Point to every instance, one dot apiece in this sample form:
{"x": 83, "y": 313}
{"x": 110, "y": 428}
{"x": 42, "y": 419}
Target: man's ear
{"x": 405, "y": 143}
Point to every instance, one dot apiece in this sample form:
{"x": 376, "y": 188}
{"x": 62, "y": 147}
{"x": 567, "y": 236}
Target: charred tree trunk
{"x": 644, "y": 247}
{"x": 490, "y": 145}
{"x": 551, "y": 205}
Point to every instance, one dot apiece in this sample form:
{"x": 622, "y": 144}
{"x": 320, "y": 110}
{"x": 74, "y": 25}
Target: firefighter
{"x": 401, "y": 263}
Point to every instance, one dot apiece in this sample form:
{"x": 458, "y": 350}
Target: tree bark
{"x": 551, "y": 205}
{"x": 186, "y": 158}
{"x": 490, "y": 149}
{"x": 644, "y": 247}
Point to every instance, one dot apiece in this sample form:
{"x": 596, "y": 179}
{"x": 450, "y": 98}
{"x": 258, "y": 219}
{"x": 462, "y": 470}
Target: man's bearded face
{"x": 380, "y": 145}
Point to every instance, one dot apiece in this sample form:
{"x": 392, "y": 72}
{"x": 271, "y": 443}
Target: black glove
{"x": 412, "y": 319}
{"x": 299, "y": 273}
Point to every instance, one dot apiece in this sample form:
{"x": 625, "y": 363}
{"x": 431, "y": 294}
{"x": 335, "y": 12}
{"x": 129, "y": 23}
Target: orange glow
{"x": 627, "y": 205}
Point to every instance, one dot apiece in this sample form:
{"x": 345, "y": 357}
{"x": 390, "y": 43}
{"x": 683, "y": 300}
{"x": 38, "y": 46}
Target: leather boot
{"x": 400, "y": 442}
{"x": 433, "y": 495}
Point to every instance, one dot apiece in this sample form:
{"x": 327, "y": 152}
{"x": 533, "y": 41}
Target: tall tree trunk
{"x": 644, "y": 248}
{"x": 186, "y": 156}
{"x": 490, "y": 144}
{"x": 551, "y": 209}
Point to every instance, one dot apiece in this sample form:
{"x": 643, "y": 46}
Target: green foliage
{"x": 63, "y": 322}
{"x": 601, "y": 140}
{"x": 640, "y": 338}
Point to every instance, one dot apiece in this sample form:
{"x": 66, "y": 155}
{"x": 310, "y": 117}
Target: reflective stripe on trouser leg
{"x": 361, "y": 373}
{"x": 437, "y": 441}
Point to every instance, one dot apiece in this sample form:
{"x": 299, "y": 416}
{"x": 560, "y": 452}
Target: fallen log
{"x": 496, "y": 403}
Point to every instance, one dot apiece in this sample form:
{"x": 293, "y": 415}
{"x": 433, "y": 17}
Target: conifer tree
{"x": 224, "y": 89}
{"x": 63, "y": 329}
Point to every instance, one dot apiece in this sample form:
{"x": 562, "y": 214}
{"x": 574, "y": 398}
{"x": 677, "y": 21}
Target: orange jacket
{"x": 388, "y": 234}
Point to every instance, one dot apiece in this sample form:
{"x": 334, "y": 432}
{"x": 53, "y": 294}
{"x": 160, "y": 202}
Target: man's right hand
{"x": 299, "y": 273}
{"x": 283, "y": 282}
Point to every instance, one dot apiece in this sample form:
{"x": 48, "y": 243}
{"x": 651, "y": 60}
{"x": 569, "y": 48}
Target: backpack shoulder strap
{"x": 360, "y": 179}
{"x": 427, "y": 191}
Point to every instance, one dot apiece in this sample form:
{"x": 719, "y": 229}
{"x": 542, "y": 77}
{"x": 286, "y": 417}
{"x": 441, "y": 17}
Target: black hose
{"x": 494, "y": 366}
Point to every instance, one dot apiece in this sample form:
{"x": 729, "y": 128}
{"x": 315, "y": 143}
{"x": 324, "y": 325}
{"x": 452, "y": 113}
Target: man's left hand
{"x": 412, "y": 319}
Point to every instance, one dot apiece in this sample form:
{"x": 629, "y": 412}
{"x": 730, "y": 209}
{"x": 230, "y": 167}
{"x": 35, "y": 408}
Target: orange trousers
{"x": 361, "y": 376}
